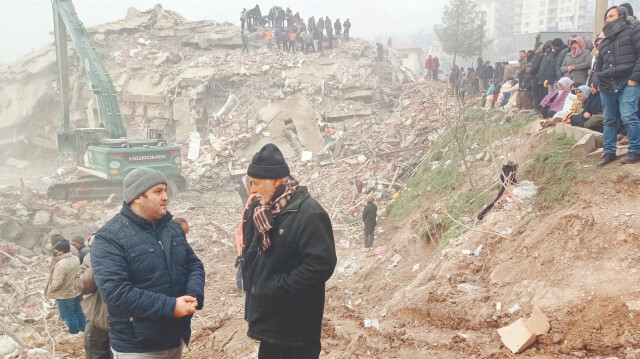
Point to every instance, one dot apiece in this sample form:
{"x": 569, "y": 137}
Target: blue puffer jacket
{"x": 140, "y": 269}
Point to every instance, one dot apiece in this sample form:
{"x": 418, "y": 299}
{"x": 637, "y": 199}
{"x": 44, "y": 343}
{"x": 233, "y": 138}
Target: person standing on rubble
{"x": 78, "y": 243}
{"x": 268, "y": 38}
{"x": 245, "y": 42}
{"x": 347, "y": 27}
{"x": 288, "y": 255}
{"x": 243, "y": 18}
{"x": 96, "y": 334}
{"x": 61, "y": 287}
{"x": 369, "y": 217}
{"x": 147, "y": 273}
{"x": 338, "y": 27}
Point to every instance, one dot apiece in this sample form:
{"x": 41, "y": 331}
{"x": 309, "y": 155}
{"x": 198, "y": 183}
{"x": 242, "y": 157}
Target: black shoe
{"x": 630, "y": 158}
{"x": 606, "y": 159}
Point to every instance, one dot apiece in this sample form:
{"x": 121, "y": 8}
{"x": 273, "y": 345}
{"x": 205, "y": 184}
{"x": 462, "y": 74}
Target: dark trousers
{"x": 71, "y": 312}
{"x": 273, "y": 351}
{"x": 547, "y": 112}
{"x": 537, "y": 95}
{"x": 96, "y": 343}
{"x": 368, "y": 237}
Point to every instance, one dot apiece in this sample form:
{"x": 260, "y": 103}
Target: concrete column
{"x": 598, "y": 24}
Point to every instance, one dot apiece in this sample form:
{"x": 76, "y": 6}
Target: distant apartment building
{"x": 509, "y": 21}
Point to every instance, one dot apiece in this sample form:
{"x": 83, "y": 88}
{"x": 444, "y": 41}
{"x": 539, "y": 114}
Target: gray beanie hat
{"x": 139, "y": 181}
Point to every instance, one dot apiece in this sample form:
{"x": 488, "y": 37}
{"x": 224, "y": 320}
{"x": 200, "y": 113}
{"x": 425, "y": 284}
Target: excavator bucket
{"x": 66, "y": 142}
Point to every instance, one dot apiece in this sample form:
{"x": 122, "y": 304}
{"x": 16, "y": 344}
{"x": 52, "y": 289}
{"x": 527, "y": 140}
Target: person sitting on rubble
{"x": 505, "y": 92}
{"x": 554, "y": 101}
{"x": 78, "y": 243}
{"x": 572, "y": 105}
{"x": 61, "y": 287}
{"x": 488, "y": 96}
{"x": 591, "y": 116}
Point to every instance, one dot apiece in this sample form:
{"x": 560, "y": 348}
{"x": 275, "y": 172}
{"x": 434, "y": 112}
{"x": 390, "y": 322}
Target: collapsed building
{"x": 349, "y": 125}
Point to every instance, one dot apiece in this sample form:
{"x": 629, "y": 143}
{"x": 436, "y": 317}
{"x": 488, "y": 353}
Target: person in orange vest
{"x": 292, "y": 41}
{"x": 269, "y": 38}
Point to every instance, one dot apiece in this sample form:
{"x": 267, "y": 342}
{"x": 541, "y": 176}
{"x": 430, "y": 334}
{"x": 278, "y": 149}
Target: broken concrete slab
{"x": 337, "y": 115}
{"x": 585, "y": 146}
{"x": 16, "y": 163}
{"x": 366, "y": 96}
{"x": 41, "y": 218}
{"x": 579, "y": 132}
{"x": 182, "y": 117}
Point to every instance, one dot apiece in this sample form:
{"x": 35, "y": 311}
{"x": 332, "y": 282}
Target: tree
{"x": 462, "y": 30}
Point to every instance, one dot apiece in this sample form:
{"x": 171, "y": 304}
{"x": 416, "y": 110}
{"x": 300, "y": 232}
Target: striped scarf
{"x": 263, "y": 215}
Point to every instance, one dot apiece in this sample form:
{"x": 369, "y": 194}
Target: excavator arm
{"x": 66, "y": 21}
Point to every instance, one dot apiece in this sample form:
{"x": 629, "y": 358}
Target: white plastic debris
{"x": 514, "y": 309}
{"x": 477, "y": 251}
{"x": 372, "y": 323}
{"x": 415, "y": 267}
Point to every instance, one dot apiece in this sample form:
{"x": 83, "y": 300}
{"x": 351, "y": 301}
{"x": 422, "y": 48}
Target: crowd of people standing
{"x": 290, "y": 31}
{"x": 573, "y": 81}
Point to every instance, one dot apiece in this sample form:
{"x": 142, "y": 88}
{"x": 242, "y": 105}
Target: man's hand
{"x": 185, "y": 305}
{"x": 586, "y": 115}
{"x": 239, "y": 260}
{"x": 570, "y": 68}
{"x": 632, "y": 83}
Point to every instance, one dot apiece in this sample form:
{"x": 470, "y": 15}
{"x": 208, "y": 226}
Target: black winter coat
{"x": 285, "y": 284}
{"x": 551, "y": 75}
{"x": 140, "y": 269}
{"x": 562, "y": 54}
{"x": 618, "y": 60}
{"x": 593, "y": 104}
{"x": 369, "y": 214}
{"x": 545, "y": 67}
{"x": 525, "y": 83}
{"x": 537, "y": 61}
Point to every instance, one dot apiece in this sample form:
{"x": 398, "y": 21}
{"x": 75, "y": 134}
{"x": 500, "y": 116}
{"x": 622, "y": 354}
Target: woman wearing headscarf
{"x": 554, "y": 101}
{"x": 578, "y": 61}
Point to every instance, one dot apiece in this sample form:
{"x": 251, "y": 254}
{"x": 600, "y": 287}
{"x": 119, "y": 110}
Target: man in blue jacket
{"x": 148, "y": 275}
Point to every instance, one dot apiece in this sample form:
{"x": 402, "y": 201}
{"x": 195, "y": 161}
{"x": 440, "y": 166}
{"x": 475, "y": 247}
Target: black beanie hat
{"x": 268, "y": 163}
{"x": 628, "y": 7}
{"x": 557, "y": 42}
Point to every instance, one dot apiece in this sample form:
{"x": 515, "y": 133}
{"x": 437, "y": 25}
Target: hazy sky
{"x": 25, "y": 25}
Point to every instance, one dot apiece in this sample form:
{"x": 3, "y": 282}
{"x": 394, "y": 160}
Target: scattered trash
{"x": 372, "y": 323}
{"x": 415, "y": 267}
{"x": 306, "y": 156}
{"x": 463, "y": 336}
{"x": 514, "y": 309}
{"x": 396, "y": 258}
{"x": 392, "y": 265}
{"x": 476, "y": 253}
{"x": 467, "y": 288}
{"x": 503, "y": 231}
{"x": 466, "y": 251}
{"x": 499, "y": 306}
{"x": 380, "y": 250}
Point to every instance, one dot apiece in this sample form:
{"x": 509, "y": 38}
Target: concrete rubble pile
{"x": 348, "y": 125}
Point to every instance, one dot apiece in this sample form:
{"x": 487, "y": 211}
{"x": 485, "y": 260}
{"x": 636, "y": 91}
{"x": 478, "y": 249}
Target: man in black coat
{"x": 288, "y": 255}
{"x": 537, "y": 74}
{"x": 617, "y": 76}
{"x": 369, "y": 214}
{"x": 146, "y": 272}
{"x": 561, "y": 49}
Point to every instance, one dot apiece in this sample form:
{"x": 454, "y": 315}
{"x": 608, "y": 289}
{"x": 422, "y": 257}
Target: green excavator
{"x": 104, "y": 155}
